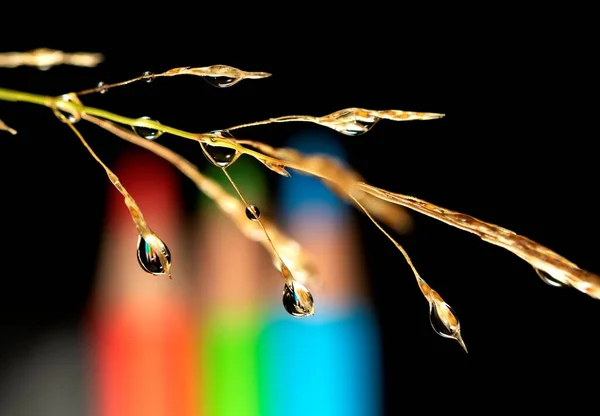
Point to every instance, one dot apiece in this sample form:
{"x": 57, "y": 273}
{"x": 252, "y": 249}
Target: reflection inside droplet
{"x": 148, "y": 257}
{"x": 443, "y": 320}
{"x": 357, "y": 128}
{"x": 147, "y": 132}
{"x": 221, "y": 82}
{"x": 149, "y": 76}
{"x": 297, "y": 300}
{"x": 352, "y": 122}
{"x": 220, "y": 156}
{"x": 252, "y": 213}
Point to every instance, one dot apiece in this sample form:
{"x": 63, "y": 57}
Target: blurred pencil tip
{"x": 150, "y": 180}
{"x": 307, "y": 195}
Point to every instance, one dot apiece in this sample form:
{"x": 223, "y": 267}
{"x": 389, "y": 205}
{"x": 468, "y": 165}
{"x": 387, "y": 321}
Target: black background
{"x": 516, "y": 149}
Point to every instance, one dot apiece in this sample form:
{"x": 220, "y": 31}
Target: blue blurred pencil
{"x": 328, "y": 364}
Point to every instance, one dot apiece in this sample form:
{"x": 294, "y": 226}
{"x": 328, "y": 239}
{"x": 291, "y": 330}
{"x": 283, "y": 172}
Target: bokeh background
{"x": 516, "y": 149}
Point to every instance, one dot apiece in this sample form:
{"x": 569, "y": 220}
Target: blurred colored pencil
{"x": 140, "y": 330}
{"x": 328, "y": 364}
{"x": 229, "y": 281}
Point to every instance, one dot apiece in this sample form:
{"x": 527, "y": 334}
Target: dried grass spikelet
{"x": 45, "y": 58}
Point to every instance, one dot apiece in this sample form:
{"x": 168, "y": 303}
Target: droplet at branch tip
{"x": 297, "y": 300}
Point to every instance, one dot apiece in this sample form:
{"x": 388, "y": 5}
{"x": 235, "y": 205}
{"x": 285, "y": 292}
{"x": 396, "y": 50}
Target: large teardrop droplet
{"x": 148, "y": 257}
{"x": 445, "y": 323}
{"x": 297, "y": 300}
{"x": 220, "y": 156}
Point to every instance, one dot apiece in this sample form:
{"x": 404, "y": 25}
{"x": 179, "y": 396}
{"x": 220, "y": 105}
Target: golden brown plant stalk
{"x": 222, "y": 76}
{"x": 549, "y": 265}
{"x": 4, "y": 127}
{"x": 149, "y": 238}
{"x": 349, "y": 121}
{"x": 373, "y": 201}
{"x": 289, "y": 250}
{"x": 45, "y": 58}
{"x": 339, "y": 178}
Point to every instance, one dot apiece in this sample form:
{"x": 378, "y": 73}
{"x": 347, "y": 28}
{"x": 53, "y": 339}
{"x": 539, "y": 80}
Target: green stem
{"x": 12, "y": 95}
{"x": 73, "y": 107}
{"x": 58, "y": 102}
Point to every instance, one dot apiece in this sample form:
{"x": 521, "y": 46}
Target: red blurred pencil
{"x": 140, "y": 335}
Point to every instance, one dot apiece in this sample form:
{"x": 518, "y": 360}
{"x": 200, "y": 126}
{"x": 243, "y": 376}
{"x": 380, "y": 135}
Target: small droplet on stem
{"x": 71, "y": 117}
{"x": 252, "y": 212}
{"x": 146, "y": 132}
{"x": 148, "y": 76}
{"x": 148, "y": 257}
{"x": 102, "y": 90}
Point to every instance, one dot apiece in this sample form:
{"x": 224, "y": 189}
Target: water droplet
{"x": 148, "y": 257}
{"x": 71, "y": 117}
{"x": 146, "y": 132}
{"x": 352, "y": 122}
{"x": 218, "y": 155}
{"x": 548, "y": 279}
{"x": 252, "y": 213}
{"x": 102, "y": 90}
{"x": 297, "y": 300}
{"x": 149, "y": 76}
{"x": 221, "y": 82}
{"x": 443, "y": 320}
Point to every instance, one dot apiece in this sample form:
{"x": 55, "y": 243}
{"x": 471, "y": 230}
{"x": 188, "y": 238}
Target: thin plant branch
{"x": 45, "y": 58}
{"x": 254, "y": 215}
{"x": 218, "y": 75}
{"x": 548, "y": 264}
{"x": 4, "y": 127}
{"x": 290, "y": 250}
{"x": 297, "y": 300}
{"x": 439, "y": 310}
{"x": 155, "y": 244}
{"x": 349, "y": 121}
{"x": 339, "y": 178}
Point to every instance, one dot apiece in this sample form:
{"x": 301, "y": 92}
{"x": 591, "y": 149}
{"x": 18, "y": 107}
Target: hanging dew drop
{"x": 220, "y": 156}
{"x": 148, "y": 258}
{"x": 548, "y": 279}
{"x": 297, "y": 300}
{"x": 221, "y": 82}
{"x": 445, "y": 323}
{"x": 438, "y": 324}
{"x": 146, "y": 132}
{"x": 351, "y": 122}
{"x": 357, "y": 128}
